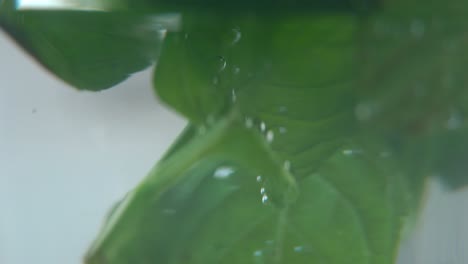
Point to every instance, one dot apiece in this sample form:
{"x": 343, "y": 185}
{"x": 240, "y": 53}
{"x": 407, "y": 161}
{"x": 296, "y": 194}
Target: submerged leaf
{"x": 184, "y": 212}
{"x": 293, "y": 89}
{"x": 257, "y": 177}
{"x": 311, "y": 129}
{"x": 88, "y": 49}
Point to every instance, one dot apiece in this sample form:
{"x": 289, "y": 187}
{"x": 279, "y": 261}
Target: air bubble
{"x": 262, "y": 126}
{"x": 282, "y": 130}
{"x": 248, "y": 122}
{"x": 363, "y": 111}
{"x": 223, "y": 172}
{"x": 222, "y": 63}
{"x": 236, "y": 70}
{"x": 264, "y": 199}
{"x": 455, "y": 121}
{"x": 349, "y": 152}
{"x": 258, "y": 253}
{"x": 262, "y": 190}
{"x": 298, "y": 249}
{"x": 237, "y": 35}
{"x": 270, "y": 136}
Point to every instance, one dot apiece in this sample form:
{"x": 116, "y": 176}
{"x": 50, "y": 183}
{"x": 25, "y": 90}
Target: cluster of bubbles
{"x": 263, "y": 191}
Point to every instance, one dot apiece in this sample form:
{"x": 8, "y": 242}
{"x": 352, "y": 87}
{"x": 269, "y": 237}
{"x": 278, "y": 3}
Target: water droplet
{"x": 298, "y": 249}
{"x": 248, "y": 122}
{"x": 222, "y": 63}
{"x": 270, "y": 136}
{"x": 223, "y": 172}
{"x": 417, "y": 28}
{"x": 236, "y": 70}
{"x": 237, "y": 35}
{"x": 264, "y": 199}
{"x": 259, "y": 178}
{"x": 258, "y": 253}
{"x": 262, "y": 190}
{"x": 363, "y": 111}
{"x": 282, "y": 130}
{"x": 287, "y": 165}
{"x": 262, "y": 126}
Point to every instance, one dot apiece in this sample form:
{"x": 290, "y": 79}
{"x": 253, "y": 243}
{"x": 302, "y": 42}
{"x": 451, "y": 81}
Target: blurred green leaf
{"x": 89, "y": 50}
{"x": 412, "y": 93}
{"x": 94, "y": 45}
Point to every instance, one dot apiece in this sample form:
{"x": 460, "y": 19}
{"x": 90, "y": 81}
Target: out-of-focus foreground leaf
{"x": 412, "y": 92}
{"x": 89, "y": 50}
{"x": 94, "y": 45}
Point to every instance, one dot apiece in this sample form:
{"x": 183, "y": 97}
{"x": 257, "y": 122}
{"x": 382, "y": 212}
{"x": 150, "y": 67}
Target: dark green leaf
{"x": 218, "y": 210}
{"x": 89, "y": 50}
{"x": 295, "y": 88}
{"x": 272, "y": 105}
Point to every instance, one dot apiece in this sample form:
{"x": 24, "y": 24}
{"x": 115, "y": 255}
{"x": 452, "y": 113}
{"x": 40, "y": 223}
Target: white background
{"x": 67, "y": 156}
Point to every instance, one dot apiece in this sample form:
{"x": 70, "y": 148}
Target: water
{"x": 405, "y": 115}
